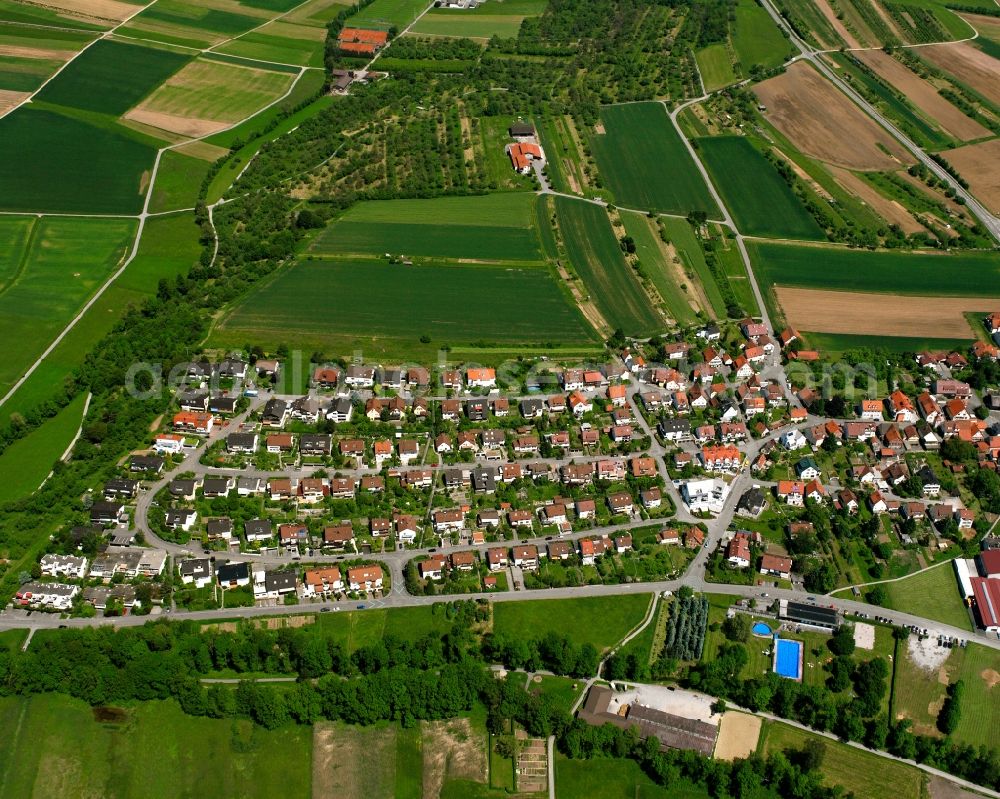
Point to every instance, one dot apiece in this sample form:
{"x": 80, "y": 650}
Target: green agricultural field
{"x": 169, "y": 247}
{"x": 25, "y": 74}
{"x": 111, "y": 76}
{"x": 389, "y": 13}
{"x": 644, "y": 162}
{"x": 510, "y": 210}
{"x": 857, "y": 770}
{"x": 178, "y": 181}
{"x": 715, "y": 64}
{"x": 760, "y": 201}
{"x": 682, "y": 236}
{"x": 490, "y": 19}
{"x": 654, "y": 262}
{"x": 598, "y": 260}
{"x": 209, "y": 89}
{"x": 966, "y": 274}
{"x": 53, "y": 745}
{"x": 276, "y": 42}
{"x": 606, "y": 778}
{"x": 347, "y": 304}
{"x": 27, "y": 461}
{"x": 610, "y": 618}
{"x": 842, "y": 342}
{"x": 41, "y": 38}
{"x": 66, "y": 165}
{"x": 910, "y": 596}
{"x": 179, "y": 22}
{"x": 61, "y": 263}
{"x": 756, "y": 38}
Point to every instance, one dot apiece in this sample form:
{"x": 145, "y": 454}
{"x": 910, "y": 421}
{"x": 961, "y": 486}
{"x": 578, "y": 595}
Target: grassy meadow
{"x": 598, "y": 260}
{"x": 52, "y": 745}
{"x": 601, "y": 621}
{"x": 760, "y": 201}
{"x": 649, "y": 248}
{"x": 490, "y": 19}
{"x": 756, "y": 39}
{"x": 910, "y": 596}
{"x": 644, "y": 162}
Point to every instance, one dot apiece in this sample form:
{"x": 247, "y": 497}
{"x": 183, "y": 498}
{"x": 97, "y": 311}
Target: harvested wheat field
{"x": 93, "y": 10}
{"x": 969, "y": 64}
{"x": 890, "y": 210}
{"x": 823, "y": 123}
{"x": 980, "y": 165}
{"x": 353, "y": 762}
{"x": 9, "y": 99}
{"x": 738, "y": 734}
{"x": 824, "y": 311}
{"x": 923, "y": 95}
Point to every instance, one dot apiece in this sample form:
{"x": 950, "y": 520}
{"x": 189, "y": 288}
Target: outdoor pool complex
{"x": 788, "y": 658}
{"x": 761, "y": 629}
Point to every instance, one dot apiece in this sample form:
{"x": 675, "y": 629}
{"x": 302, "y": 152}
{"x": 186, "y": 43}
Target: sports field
{"x": 611, "y": 618}
{"x": 494, "y": 227}
{"x": 206, "y": 96}
{"x": 490, "y": 19}
{"x": 965, "y": 274}
{"x": 358, "y": 303}
{"x": 60, "y": 263}
{"x": 759, "y": 199}
{"x": 910, "y": 596}
{"x": 66, "y": 165}
{"x": 644, "y": 162}
{"x": 111, "y": 76}
{"x": 980, "y": 671}
{"x": 52, "y": 745}
{"x": 861, "y": 772}
{"x": 597, "y": 258}
{"x": 26, "y": 462}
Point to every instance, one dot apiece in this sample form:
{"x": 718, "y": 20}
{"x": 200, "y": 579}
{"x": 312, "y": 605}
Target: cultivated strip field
{"x": 969, "y": 64}
{"x": 488, "y": 20}
{"x": 979, "y": 164}
{"x": 644, "y": 161}
{"x": 823, "y": 123}
{"x": 923, "y": 95}
{"x": 878, "y": 314}
{"x": 206, "y": 96}
{"x": 890, "y": 210}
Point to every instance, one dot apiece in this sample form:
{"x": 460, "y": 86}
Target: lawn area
{"x": 716, "y": 66}
{"x": 497, "y": 227}
{"x": 859, "y": 771}
{"x": 388, "y": 13}
{"x": 62, "y": 262}
{"x": 597, "y": 258}
{"x": 604, "y": 778}
{"x": 370, "y": 303}
{"x": 980, "y": 671}
{"x": 760, "y": 201}
{"x": 756, "y": 38}
{"x": 654, "y": 260}
{"x": 27, "y": 461}
{"x": 490, "y": 19}
{"x": 111, "y": 76}
{"x": 66, "y": 165}
{"x": 601, "y": 621}
{"x": 12, "y": 639}
{"x": 358, "y": 628}
{"x": 564, "y": 691}
{"x": 910, "y": 594}
{"x": 169, "y": 247}
{"x": 644, "y": 162}
{"x": 966, "y": 274}
{"x": 215, "y": 90}
{"x": 51, "y": 745}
